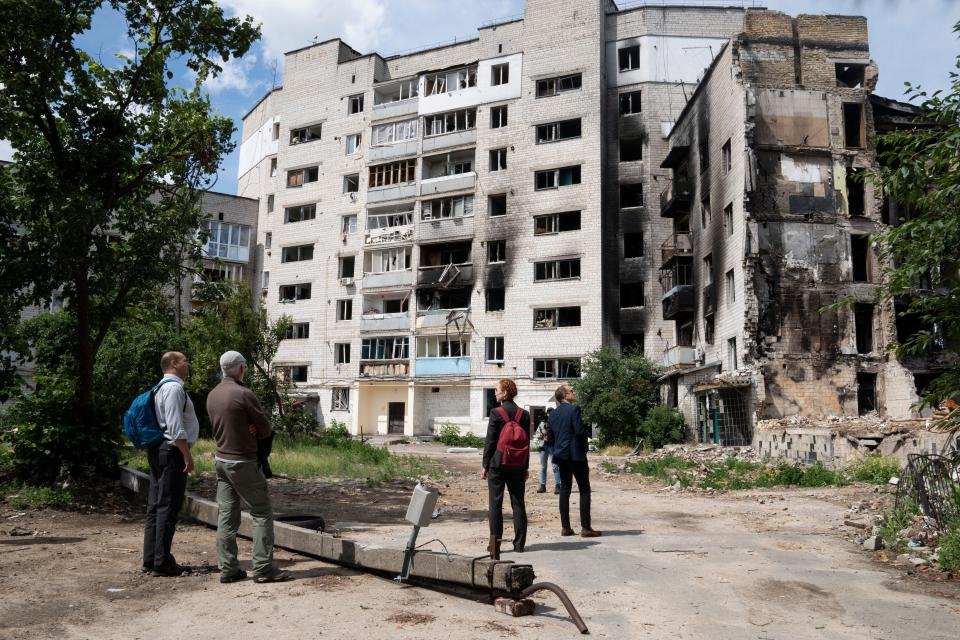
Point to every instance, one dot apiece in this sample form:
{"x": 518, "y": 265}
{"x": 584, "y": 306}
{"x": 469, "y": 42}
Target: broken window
{"x": 853, "y": 125}
{"x": 402, "y": 172}
{"x": 706, "y": 215}
{"x": 294, "y": 372}
{"x": 275, "y": 132}
{"x": 732, "y": 354}
{"x": 299, "y": 214}
{"x": 341, "y": 353}
{"x": 291, "y": 292}
{"x": 273, "y": 167}
{"x": 631, "y": 149}
{"x": 552, "y": 86}
{"x": 856, "y": 199}
{"x": 344, "y": 310}
{"x": 495, "y": 298}
{"x": 494, "y": 349}
{"x": 443, "y": 346}
{"x": 351, "y": 183}
{"x": 443, "y": 208}
{"x": 267, "y": 239}
{"x": 629, "y": 57}
{"x": 346, "y": 267}
{"x": 709, "y": 328}
{"x": 554, "y": 131}
{"x": 450, "y": 122}
{"x": 632, "y": 245}
{"x": 731, "y": 287}
{"x": 447, "y": 81}
{"x": 708, "y": 270}
{"x": 353, "y": 143}
{"x": 497, "y": 204}
{"x": 556, "y": 368}
{"x": 556, "y": 223}
{"x": 300, "y": 177}
{"x": 556, "y": 270}
{"x": 387, "y": 260}
{"x": 392, "y": 348}
{"x": 631, "y": 295}
{"x": 726, "y": 157}
{"x": 270, "y": 203}
{"x": 631, "y": 195}
{"x": 556, "y": 317}
{"x": 703, "y": 153}
{"x": 554, "y": 178}
{"x": 392, "y": 132}
{"x": 860, "y": 257}
{"x": 297, "y": 253}
{"x": 348, "y": 224}
{"x": 866, "y": 393}
{"x": 728, "y": 219}
{"x": 297, "y": 331}
{"x": 629, "y": 103}
{"x": 396, "y": 305}
{"x": 863, "y": 325}
{"x": 499, "y": 74}
{"x": 355, "y": 104}
{"x": 305, "y": 134}
{"x": 498, "y": 159}
{"x": 498, "y": 117}
{"x": 403, "y": 90}
{"x": 497, "y": 251}
{"x": 631, "y": 342}
{"x": 340, "y": 399}
{"x": 850, "y": 75}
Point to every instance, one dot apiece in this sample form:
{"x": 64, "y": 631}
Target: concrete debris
{"x": 22, "y": 531}
{"x": 873, "y": 543}
{"x": 515, "y": 608}
{"x": 919, "y": 562}
{"x": 700, "y": 454}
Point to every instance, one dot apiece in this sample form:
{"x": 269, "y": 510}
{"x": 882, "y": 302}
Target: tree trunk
{"x": 85, "y": 354}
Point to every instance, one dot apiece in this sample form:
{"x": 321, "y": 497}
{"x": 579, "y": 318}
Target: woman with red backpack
{"x": 506, "y": 459}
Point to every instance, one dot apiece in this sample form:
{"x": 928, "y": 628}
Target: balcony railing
{"x": 446, "y": 184}
{"x": 384, "y": 368}
{"x": 394, "y": 279}
{"x": 678, "y": 302}
{"x": 679, "y": 356}
{"x": 679, "y": 245}
{"x": 389, "y": 235}
{"x": 385, "y": 321}
{"x": 676, "y": 198}
{"x": 448, "y": 275}
{"x": 459, "y": 366}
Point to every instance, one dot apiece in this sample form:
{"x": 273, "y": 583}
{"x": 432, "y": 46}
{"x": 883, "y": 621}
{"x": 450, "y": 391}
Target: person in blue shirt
{"x": 565, "y": 430}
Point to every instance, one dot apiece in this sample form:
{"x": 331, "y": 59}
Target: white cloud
{"x": 237, "y": 75}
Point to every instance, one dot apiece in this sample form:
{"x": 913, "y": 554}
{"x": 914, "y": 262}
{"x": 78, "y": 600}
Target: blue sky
{"x": 909, "y": 39}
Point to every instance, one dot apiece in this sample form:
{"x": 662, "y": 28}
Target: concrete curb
{"x": 456, "y": 569}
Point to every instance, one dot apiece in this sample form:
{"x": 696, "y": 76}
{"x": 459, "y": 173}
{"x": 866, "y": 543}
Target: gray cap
{"x": 231, "y": 360}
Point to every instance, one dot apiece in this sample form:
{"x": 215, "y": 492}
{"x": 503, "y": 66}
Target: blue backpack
{"x": 140, "y": 421}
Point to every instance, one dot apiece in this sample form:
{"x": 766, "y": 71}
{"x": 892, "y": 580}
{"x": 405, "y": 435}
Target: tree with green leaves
{"x": 109, "y": 163}
{"x": 920, "y": 171}
{"x": 616, "y": 392}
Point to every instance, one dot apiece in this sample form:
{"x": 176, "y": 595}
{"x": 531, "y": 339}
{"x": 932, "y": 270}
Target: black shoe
{"x": 233, "y": 577}
{"x": 173, "y": 570}
{"x": 517, "y": 549}
{"x": 542, "y": 489}
{"x": 556, "y": 489}
{"x": 275, "y": 575}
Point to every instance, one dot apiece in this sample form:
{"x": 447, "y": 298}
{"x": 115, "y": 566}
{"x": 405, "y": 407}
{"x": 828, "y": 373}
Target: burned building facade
{"x": 770, "y": 274}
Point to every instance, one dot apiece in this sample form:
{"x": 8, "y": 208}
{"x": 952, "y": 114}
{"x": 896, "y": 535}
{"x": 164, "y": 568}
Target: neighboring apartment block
{"x": 435, "y": 221}
{"x": 772, "y": 221}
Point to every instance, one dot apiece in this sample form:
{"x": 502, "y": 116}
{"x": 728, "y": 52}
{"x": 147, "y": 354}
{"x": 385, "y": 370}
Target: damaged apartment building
{"x": 436, "y": 220}
{"x": 769, "y": 275}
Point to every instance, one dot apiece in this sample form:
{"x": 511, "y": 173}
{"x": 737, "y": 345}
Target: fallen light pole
{"x": 419, "y": 514}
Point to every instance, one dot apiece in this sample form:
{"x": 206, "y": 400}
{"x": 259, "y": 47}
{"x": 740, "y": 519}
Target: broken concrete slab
{"x": 515, "y": 608}
{"x": 873, "y": 543}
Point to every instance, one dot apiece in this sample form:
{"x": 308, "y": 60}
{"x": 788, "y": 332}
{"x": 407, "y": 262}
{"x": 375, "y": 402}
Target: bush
{"x": 662, "y": 425}
{"x": 29, "y": 497}
{"x": 874, "y": 468}
{"x": 296, "y": 421}
{"x": 949, "y": 552}
{"x": 449, "y": 434}
{"x": 335, "y": 435}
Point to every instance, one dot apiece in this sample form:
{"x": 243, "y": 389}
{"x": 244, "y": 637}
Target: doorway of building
{"x": 395, "y": 414}
{"x": 536, "y": 415}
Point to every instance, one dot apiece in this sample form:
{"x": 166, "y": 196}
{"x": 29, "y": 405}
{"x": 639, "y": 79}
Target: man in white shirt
{"x": 170, "y": 463}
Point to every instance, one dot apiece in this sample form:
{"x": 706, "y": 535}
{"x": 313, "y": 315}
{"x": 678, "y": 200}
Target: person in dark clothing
{"x": 565, "y": 429}
{"x": 497, "y": 478}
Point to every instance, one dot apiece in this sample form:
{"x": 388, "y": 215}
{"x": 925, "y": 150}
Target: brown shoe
{"x": 587, "y": 532}
{"x": 566, "y": 532}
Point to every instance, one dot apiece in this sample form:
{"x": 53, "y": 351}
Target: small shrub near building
{"x": 449, "y": 434}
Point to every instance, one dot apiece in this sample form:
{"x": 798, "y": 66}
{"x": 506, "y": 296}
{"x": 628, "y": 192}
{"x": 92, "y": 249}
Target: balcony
{"x": 384, "y": 368}
{"x": 388, "y": 279}
{"x": 389, "y": 235}
{"x": 678, "y": 302}
{"x": 391, "y": 151}
{"x": 444, "y": 140}
{"x": 442, "y": 366}
{"x": 445, "y": 228}
{"x": 447, "y": 184}
{"x": 385, "y": 322}
{"x": 676, "y": 198}
{"x": 395, "y": 109}
{"x": 438, "y": 318}
{"x": 392, "y": 192}
{"x": 448, "y": 275}
{"x": 679, "y": 357}
{"x": 679, "y": 245}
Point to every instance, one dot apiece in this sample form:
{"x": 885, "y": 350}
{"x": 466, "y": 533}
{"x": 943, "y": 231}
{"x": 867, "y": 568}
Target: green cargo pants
{"x": 238, "y": 481}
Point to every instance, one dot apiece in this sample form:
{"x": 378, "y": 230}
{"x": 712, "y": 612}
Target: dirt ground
{"x": 755, "y": 564}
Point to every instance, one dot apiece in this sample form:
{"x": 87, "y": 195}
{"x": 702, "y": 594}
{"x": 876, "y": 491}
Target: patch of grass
{"x": 874, "y": 468}
{"x": 610, "y": 467}
{"x": 734, "y": 474}
{"x": 895, "y": 522}
{"x": 668, "y": 469}
{"x": 449, "y": 434}
{"x": 322, "y": 457}
{"x": 616, "y": 450}
{"x": 950, "y": 550}
{"x": 24, "y": 496}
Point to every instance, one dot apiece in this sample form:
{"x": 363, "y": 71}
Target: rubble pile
{"x": 914, "y": 546}
{"x": 703, "y": 453}
{"x": 838, "y": 424}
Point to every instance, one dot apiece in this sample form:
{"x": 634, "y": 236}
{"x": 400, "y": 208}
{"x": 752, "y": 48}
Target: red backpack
{"x": 513, "y": 443}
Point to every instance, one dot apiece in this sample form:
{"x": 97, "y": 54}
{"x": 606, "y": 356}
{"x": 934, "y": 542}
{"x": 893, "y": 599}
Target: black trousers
{"x": 168, "y": 483}
{"x": 570, "y": 469}
{"x": 514, "y": 482}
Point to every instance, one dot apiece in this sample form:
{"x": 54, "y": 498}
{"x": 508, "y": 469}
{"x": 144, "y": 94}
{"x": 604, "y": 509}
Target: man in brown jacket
{"x": 238, "y": 420}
